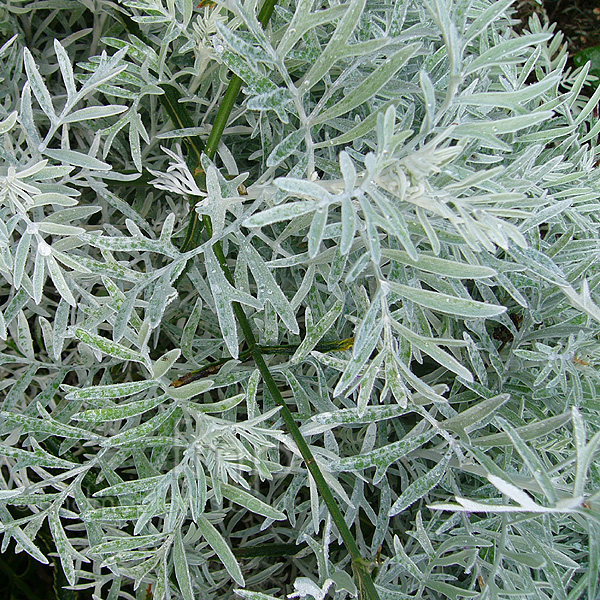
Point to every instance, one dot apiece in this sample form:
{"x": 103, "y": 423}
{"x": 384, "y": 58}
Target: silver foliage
{"x": 419, "y": 178}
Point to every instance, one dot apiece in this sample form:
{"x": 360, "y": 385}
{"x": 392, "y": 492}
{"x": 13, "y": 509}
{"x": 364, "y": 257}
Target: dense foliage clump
{"x": 333, "y": 335}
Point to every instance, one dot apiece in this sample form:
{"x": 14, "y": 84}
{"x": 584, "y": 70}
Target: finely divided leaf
{"x": 269, "y": 290}
{"x": 367, "y": 88}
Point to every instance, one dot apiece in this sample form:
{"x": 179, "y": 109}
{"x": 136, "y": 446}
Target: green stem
{"x": 276, "y": 550}
{"x": 233, "y": 89}
{"x": 359, "y": 564}
{"x": 192, "y": 237}
{"x": 225, "y": 108}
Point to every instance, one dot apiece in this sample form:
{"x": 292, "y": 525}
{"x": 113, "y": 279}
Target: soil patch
{"x": 579, "y": 20}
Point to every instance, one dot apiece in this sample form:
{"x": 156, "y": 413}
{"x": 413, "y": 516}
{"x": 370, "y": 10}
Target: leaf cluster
{"x": 404, "y": 206}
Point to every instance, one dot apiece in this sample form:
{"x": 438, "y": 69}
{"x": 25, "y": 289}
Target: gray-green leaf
{"x": 419, "y": 487}
{"x": 222, "y": 550}
{"x": 452, "y": 305}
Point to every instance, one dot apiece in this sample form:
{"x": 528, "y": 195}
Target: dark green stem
{"x": 233, "y": 89}
{"x": 192, "y": 237}
{"x": 359, "y": 564}
{"x": 269, "y": 550}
